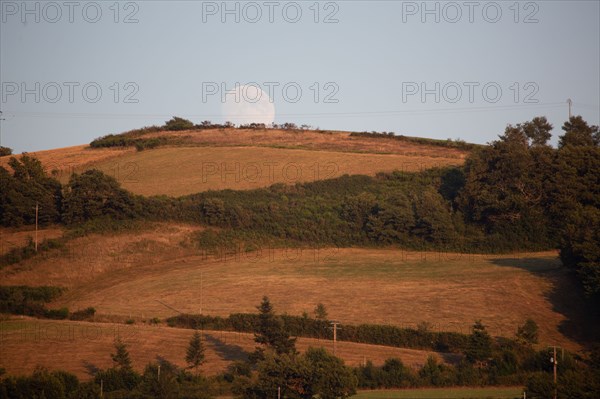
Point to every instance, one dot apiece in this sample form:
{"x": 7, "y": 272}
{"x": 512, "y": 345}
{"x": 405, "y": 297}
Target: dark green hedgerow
{"x": 312, "y": 328}
{"x": 30, "y": 301}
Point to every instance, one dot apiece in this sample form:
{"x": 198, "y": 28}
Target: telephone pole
{"x": 335, "y": 328}
{"x": 37, "y": 210}
{"x": 554, "y": 362}
{"x": 570, "y": 102}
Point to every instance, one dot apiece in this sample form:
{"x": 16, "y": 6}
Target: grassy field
{"x": 66, "y": 160}
{"x": 240, "y": 159}
{"x": 148, "y": 273}
{"x": 338, "y": 141}
{"x": 136, "y": 274}
{"x": 81, "y": 347}
{"x": 444, "y": 393}
{"x": 19, "y": 237}
{"x": 178, "y": 171}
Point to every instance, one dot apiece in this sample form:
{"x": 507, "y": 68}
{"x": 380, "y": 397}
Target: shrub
{"x": 27, "y": 300}
{"x": 116, "y": 379}
{"x": 84, "y": 314}
{"x": 58, "y": 314}
{"x": 177, "y": 123}
{"x": 4, "y": 151}
{"x": 540, "y": 386}
{"x": 112, "y": 140}
{"x": 18, "y": 254}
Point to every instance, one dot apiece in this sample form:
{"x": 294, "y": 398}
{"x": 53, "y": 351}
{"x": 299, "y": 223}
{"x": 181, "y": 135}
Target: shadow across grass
{"x": 91, "y": 368}
{"x": 582, "y": 319}
{"x": 226, "y": 351}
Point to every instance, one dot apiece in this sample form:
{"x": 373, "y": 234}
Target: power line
{"x": 168, "y": 306}
{"x": 308, "y": 114}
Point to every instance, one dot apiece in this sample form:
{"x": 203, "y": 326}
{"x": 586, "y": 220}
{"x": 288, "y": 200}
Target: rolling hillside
{"x": 156, "y": 269}
{"x": 134, "y": 275}
{"x": 83, "y": 347}
{"x": 245, "y": 159}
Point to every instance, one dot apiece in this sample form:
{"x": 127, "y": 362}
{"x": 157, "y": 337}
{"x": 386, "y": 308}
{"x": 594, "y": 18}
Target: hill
{"x": 134, "y": 275}
{"x": 132, "y": 260}
{"x": 241, "y": 159}
{"x": 83, "y": 347}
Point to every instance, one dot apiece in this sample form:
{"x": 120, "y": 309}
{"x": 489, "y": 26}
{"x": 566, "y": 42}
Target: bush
{"x": 112, "y": 140}
{"x": 41, "y": 384}
{"x": 177, "y": 123}
{"x": 18, "y": 254}
{"x": 26, "y": 300}
{"x": 540, "y": 386}
{"x": 85, "y": 314}
{"x": 117, "y": 379}
{"x": 4, "y": 151}
{"x": 144, "y": 144}
{"x": 58, "y": 314}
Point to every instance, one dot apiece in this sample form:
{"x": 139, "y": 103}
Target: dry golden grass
{"x": 18, "y": 237}
{"x": 245, "y": 159}
{"x": 178, "y": 171}
{"x": 136, "y": 275}
{"x": 329, "y": 141}
{"x": 86, "y": 258}
{"x": 149, "y": 273}
{"x": 81, "y": 347}
{"x": 71, "y": 159}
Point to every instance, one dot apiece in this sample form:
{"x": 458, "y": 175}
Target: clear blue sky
{"x": 373, "y": 57}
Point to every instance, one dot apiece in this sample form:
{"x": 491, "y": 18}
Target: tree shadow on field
{"x": 582, "y": 323}
{"x": 226, "y": 351}
{"x": 90, "y": 368}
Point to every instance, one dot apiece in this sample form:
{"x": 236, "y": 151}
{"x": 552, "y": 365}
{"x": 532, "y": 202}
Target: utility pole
{"x": 570, "y": 102}
{"x": 37, "y": 209}
{"x": 554, "y": 363}
{"x": 335, "y": 327}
